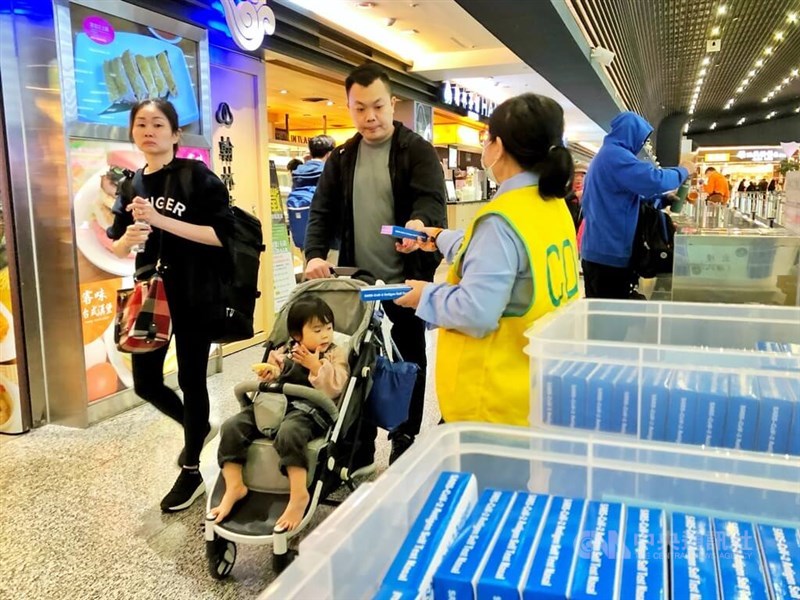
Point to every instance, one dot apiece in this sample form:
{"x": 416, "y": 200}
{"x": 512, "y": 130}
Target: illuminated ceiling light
{"x": 700, "y": 81}
{"x": 284, "y": 91}
{"x": 740, "y": 89}
{"x": 792, "y": 17}
{"x": 740, "y": 121}
{"x": 686, "y": 128}
{"x": 713, "y": 126}
{"x": 691, "y": 110}
{"x": 715, "y": 31}
{"x": 765, "y": 99}
{"x": 785, "y": 80}
{"x": 706, "y": 61}
{"x": 703, "y": 71}
{"x": 768, "y": 50}
{"x": 752, "y": 73}
{"x": 760, "y": 63}
{"x": 795, "y": 72}
{"x": 797, "y": 110}
{"x": 722, "y": 9}
{"x": 330, "y": 102}
{"x": 779, "y": 36}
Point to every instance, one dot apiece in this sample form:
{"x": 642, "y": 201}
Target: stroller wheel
{"x": 281, "y": 561}
{"x": 221, "y": 555}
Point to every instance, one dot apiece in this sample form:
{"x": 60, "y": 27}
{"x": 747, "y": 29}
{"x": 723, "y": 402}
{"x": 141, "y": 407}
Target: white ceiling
{"x": 450, "y": 45}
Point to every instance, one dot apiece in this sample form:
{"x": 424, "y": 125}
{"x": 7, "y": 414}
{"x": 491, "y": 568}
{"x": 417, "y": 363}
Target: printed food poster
{"x": 119, "y": 62}
{"x": 96, "y": 170}
{"x": 282, "y": 261}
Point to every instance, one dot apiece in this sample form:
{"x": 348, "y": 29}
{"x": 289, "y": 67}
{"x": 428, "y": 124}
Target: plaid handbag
{"x": 143, "y": 322}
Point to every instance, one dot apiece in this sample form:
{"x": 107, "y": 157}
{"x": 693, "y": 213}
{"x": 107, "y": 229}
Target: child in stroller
{"x": 339, "y": 456}
{"x": 309, "y": 358}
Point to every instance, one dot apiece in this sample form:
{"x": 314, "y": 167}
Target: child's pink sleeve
{"x": 332, "y": 377}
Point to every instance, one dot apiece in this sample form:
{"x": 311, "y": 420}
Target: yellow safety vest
{"x": 488, "y": 379}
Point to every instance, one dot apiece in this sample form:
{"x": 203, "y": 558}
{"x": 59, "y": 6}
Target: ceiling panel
{"x": 660, "y": 47}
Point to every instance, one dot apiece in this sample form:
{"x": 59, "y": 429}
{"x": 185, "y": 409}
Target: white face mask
{"x": 488, "y": 169}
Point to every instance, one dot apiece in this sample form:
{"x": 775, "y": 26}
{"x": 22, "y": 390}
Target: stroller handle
{"x": 316, "y": 397}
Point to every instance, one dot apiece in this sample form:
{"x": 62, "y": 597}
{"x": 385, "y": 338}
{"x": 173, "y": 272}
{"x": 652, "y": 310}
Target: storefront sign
{"x": 249, "y": 21}
{"x": 717, "y": 157}
{"x": 761, "y": 155}
{"x": 456, "y": 96}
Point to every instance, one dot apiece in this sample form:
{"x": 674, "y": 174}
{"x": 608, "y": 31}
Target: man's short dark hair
{"x": 366, "y": 75}
{"x": 710, "y": 169}
{"x": 320, "y": 145}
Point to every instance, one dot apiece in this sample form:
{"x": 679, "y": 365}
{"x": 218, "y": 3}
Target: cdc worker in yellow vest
{"x": 516, "y": 262}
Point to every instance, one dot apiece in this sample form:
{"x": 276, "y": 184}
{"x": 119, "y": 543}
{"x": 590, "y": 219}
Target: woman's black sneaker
{"x": 188, "y": 487}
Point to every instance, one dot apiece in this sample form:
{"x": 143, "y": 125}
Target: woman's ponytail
{"x": 532, "y": 127}
{"x": 556, "y": 173}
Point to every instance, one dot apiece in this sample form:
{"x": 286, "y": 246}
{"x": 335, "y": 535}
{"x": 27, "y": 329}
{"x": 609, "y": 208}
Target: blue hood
{"x": 630, "y": 131}
{"x": 307, "y": 174}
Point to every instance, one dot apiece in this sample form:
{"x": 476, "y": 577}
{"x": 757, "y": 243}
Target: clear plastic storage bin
{"x": 347, "y": 556}
{"x": 670, "y": 372}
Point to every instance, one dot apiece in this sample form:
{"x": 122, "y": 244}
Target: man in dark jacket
{"x": 384, "y": 175}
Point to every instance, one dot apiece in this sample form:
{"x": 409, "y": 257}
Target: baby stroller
{"x": 330, "y": 458}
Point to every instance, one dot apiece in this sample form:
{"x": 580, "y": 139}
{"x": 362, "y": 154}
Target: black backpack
{"x": 240, "y": 281}
{"x": 653, "y": 242}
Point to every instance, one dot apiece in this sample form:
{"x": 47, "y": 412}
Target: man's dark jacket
{"x": 417, "y": 187}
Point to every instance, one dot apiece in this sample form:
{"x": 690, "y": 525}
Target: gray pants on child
{"x": 294, "y": 433}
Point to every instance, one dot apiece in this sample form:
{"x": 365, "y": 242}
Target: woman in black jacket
{"x": 180, "y": 212}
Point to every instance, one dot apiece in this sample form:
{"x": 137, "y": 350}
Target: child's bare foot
{"x": 294, "y": 512}
{"x": 232, "y": 496}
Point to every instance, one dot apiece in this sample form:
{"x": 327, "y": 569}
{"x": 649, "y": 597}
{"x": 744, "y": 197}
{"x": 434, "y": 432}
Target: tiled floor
{"x": 82, "y": 517}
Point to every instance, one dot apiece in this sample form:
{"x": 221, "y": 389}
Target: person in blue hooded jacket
{"x": 304, "y": 183}
{"x": 616, "y": 183}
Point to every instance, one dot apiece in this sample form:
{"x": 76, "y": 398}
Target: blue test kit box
{"x": 655, "y": 403}
{"x": 776, "y": 407}
{"x": 573, "y": 394}
{"x": 433, "y": 533}
{"x": 375, "y": 293}
{"x": 742, "y": 417}
{"x": 600, "y": 398}
{"x": 741, "y": 573}
{"x": 625, "y": 407}
{"x": 712, "y": 405}
{"x": 693, "y": 567}
{"x": 682, "y": 407}
{"x": 644, "y": 565}
{"x": 794, "y": 434}
{"x": 457, "y": 577}
{"x": 553, "y": 371}
{"x": 502, "y": 577}
{"x": 780, "y": 547}
{"x": 598, "y": 563}
{"x": 551, "y": 569}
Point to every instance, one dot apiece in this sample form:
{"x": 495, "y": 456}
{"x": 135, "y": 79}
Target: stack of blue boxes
{"x": 718, "y": 409}
{"x": 523, "y": 546}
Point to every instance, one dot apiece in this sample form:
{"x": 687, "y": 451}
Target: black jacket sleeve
{"x": 326, "y": 209}
{"x": 427, "y": 184}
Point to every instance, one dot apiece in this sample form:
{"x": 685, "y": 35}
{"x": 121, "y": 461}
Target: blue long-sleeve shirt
{"x": 496, "y": 277}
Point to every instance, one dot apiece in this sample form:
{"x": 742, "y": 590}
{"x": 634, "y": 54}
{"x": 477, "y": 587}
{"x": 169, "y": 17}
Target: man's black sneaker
{"x": 188, "y": 487}
{"x": 400, "y": 443}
